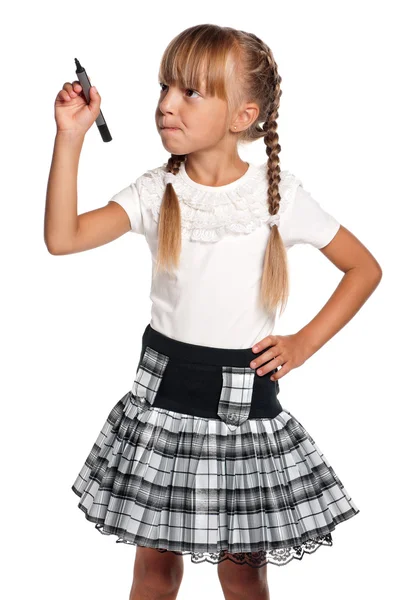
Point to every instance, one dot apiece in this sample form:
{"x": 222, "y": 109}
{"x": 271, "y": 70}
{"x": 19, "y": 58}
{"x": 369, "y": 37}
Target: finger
{"x": 265, "y": 357}
{"x": 76, "y": 87}
{"x": 68, "y": 87}
{"x": 95, "y": 99}
{"x": 64, "y": 96}
{"x": 267, "y": 341}
{"x": 280, "y": 373}
{"x": 270, "y": 366}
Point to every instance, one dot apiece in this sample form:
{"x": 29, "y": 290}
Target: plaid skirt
{"x": 200, "y": 458}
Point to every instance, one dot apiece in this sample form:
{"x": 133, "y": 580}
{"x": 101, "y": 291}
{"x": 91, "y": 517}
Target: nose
{"x": 169, "y": 100}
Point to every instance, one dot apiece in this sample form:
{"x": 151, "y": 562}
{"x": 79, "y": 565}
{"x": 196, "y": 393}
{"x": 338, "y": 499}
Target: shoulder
{"x": 138, "y": 196}
{"x": 151, "y": 188}
{"x": 152, "y": 180}
{"x": 303, "y": 220}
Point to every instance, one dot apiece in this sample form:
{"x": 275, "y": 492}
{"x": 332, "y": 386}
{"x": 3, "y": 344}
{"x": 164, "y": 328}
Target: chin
{"x": 173, "y": 148}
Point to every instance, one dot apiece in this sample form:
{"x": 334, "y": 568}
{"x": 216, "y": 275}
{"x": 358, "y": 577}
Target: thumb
{"x": 95, "y": 99}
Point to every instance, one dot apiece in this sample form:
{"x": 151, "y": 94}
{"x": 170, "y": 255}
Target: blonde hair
{"x": 241, "y": 68}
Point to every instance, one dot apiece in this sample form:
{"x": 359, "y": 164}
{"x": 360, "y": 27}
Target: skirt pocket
{"x": 236, "y": 394}
{"x": 148, "y": 378}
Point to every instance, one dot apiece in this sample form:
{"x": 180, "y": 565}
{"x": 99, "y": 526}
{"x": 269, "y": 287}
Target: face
{"x": 201, "y": 120}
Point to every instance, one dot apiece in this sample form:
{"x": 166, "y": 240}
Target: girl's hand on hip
{"x": 285, "y": 351}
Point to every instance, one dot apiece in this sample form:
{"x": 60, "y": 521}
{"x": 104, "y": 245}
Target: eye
{"x": 194, "y": 92}
{"x": 163, "y": 85}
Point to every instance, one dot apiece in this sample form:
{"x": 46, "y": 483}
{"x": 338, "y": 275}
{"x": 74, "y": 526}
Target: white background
{"x": 72, "y": 325}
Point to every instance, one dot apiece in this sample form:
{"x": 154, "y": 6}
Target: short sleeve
{"x": 130, "y": 199}
{"x": 309, "y": 222}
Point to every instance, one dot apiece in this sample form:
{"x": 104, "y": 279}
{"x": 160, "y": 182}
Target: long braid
{"x": 271, "y": 140}
{"x": 169, "y": 226}
{"x": 275, "y": 259}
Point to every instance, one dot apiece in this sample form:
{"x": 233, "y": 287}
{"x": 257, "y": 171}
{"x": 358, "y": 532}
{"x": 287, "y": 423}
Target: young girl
{"x": 200, "y": 457}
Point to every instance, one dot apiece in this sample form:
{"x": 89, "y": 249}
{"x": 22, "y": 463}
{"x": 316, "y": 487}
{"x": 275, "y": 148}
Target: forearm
{"x": 351, "y": 293}
{"x": 60, "y": 223}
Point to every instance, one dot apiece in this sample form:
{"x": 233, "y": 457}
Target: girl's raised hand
{"x": 286, "y": 350}
{"x": 72, "y": 112}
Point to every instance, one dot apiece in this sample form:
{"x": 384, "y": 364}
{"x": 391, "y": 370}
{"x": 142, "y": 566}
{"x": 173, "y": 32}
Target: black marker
{"x": 86, "y": 85}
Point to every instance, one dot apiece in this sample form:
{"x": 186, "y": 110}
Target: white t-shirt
{"x": 212, "y": 299}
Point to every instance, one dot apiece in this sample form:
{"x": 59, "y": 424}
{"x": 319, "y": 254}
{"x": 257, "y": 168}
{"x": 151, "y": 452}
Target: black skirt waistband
{"x": 190, "y": 379}
{"x": 233, "y": 357}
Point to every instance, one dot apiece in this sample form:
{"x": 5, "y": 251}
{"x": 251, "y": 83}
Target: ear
{"x": 246, "y": 116}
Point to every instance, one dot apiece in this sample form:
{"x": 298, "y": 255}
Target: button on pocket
{"x": 236, "y": 394}
{"x": 149, "y": 376}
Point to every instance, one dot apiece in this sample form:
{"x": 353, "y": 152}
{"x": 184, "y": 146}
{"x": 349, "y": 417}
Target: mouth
{"x": 170, "y": 129}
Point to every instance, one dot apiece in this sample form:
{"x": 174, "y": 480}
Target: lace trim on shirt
{"x": 208, "y": 216}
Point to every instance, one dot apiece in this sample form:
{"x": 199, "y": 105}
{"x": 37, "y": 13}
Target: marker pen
{"x": 85, "y": 83}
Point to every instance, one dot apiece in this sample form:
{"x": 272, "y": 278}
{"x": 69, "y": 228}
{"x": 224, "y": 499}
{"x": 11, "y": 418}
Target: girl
{"x": 200, "y": 457}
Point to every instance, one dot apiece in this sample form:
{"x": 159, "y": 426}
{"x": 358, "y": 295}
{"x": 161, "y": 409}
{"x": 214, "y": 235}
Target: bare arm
{"x": 64, "y": 231}
{"x": 362, "y": 275}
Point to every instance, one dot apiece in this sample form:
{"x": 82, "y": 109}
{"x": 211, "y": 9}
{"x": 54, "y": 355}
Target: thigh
{"x": 239, "y": 577}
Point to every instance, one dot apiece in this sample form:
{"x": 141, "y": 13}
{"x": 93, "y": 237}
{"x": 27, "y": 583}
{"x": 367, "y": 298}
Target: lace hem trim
{"x": 278, "y": 556}
{"x": 208, "y": 216}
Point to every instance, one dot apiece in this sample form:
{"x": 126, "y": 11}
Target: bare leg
{"x": 243, "y": 582}
{"x": 157, "y": 575}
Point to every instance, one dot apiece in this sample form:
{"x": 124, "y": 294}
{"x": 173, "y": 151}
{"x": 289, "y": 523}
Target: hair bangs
{"x": 198, "y": 59}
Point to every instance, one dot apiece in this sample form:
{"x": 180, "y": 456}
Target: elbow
{"x": 49, "y": 243}
{"x": 370, "y": 273}
{"x": 57, "y": 246}
{"x": 52, "y": 248}
{"x": 374, "y": 270}
{"x": 49, "y": 247}
{"x": 377, "y": 270}
{"x": 375, "y": 275}
{"x": 54, "y": 253}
